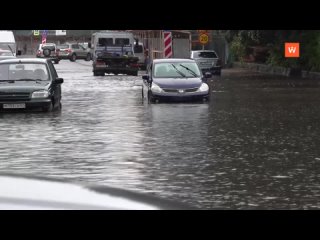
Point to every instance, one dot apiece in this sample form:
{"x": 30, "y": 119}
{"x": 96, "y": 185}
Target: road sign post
{"x": 203, "y": 39}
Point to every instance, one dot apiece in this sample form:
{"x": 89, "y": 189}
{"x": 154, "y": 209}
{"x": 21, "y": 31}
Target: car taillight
{"x": 100, "y": 63}
{"x": 68, "y": 50}
{"x": 134, "y": 65}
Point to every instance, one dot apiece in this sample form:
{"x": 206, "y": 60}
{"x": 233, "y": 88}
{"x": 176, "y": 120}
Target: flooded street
{"x": 254, "y": 146}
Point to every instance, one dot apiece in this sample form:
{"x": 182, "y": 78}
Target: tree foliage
{"x": 274, "y": 40}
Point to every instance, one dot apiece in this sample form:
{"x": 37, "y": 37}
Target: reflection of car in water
{"x": 31, "y": 193}
{"x": 29, "y": 83}
{"x": 175, "y": 79}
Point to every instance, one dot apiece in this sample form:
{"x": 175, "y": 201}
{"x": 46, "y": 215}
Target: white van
{"x": 139, "y": 52}
{"x": 8, "y": 42}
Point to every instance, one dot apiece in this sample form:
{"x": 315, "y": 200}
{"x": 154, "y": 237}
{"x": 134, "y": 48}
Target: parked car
{"x": 48, "y": 50}
{"x": 73, "y": 51}
{"x": 29, "y": 83}
{"x": 6, "y": 54}
{"x": 175, "y": 79}
{"x": 207, "y": 60}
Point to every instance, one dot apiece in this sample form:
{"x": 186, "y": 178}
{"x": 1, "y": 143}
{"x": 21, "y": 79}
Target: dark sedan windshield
{"x": 176, "y": 70}
{"x": 22, "y": 71}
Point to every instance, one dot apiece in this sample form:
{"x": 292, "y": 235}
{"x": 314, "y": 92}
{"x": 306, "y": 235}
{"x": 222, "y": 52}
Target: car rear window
{"x": 50, "y": 47}
{"x": 205, "y": 55}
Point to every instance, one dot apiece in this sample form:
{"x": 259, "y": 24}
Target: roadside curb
{"x": 276, "y": 70}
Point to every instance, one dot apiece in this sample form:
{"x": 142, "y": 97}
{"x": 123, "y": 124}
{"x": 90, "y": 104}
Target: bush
{"x": 238, "y": 49}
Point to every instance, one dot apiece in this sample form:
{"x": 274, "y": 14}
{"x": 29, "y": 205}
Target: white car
{"x": 207, "y": 60}
{"x": 48, "y": 50}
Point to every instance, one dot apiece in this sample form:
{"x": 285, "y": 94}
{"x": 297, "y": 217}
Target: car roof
{"x": 170, "y": 60}
{"x": 25, "y": 60}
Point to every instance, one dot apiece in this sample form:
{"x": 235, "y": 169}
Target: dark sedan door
{"x": 56, "y": 87}
{"x": 146, "y": 85}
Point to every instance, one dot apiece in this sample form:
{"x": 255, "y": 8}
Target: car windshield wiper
{"x": 10, "y": 81}
{"x": 192, "y": 72}
{"x": 29, "y": 80}
{"x": 178, "y": 71}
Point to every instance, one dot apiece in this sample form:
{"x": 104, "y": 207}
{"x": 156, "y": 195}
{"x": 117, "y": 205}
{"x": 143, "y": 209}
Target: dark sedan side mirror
{"x": 58, "y": 80}
{"x": 208, "y": 75}
{"x": 145, "y": 77}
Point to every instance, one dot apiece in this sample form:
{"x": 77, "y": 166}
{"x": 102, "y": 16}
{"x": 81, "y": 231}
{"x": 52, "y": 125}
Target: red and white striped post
{"x": 167, "y": 36}
{"x": 44, "y": 39}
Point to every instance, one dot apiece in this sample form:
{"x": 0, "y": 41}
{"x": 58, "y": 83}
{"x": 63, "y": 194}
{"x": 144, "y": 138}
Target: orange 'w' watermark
{"x": 292, "y": 50}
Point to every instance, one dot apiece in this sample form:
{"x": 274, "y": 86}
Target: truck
{"x": 8, "y": 42}
{"x": 113, "y": 52}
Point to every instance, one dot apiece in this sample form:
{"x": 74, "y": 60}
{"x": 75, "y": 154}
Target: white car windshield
{"x": 23, "y": 71}
{"x": 176, "y": 70}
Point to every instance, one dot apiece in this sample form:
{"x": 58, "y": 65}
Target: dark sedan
{"x": 175, "y": 79}
{"x": 29, "y": 83}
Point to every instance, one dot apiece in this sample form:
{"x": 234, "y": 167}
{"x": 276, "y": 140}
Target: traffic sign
{"x": 36, "y": 32}
{"x": 204, "y": 38}
{"x": 44, "y": 33}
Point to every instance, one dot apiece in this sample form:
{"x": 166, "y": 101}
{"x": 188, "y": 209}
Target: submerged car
{"x": 175, "y": 80}
{"x": 29, "y": 83}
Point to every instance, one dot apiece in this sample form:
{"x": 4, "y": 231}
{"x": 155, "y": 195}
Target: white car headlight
{"x": 155, "y": 88}
{"x": 40, "y": 94}
{"x": 203, "y": 88}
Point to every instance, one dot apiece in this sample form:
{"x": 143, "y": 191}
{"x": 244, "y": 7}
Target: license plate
{"x": 15, "y": 105}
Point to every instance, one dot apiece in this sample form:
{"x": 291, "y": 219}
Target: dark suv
{"x": 48, "y": 50}
{"x": 29, "y": 83}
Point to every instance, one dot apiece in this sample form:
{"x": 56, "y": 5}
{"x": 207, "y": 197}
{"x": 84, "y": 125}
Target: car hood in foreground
{"x": 24, "y": 192}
